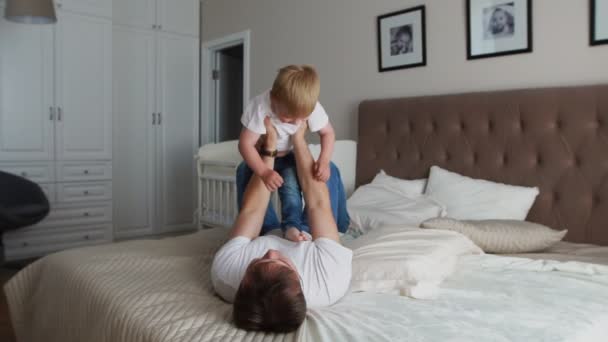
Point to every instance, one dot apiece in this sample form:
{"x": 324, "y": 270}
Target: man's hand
{"x": 322, "y": 171}
{"x": 272, "y": 180}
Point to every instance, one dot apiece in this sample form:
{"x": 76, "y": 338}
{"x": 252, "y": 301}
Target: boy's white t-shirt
{"x": 259, "y": 108}
{"x": 324, "y": 266}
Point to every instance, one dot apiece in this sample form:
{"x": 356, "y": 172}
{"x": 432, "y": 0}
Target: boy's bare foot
{"x": 295, "y": 235}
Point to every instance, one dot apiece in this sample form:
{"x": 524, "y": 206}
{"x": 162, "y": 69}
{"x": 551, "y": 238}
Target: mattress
{"x": 568, "y": 251}
{"x": 159, "y": 290}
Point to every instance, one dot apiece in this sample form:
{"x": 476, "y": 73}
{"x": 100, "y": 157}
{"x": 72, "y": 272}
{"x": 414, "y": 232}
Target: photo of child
{"x": 499, "y": 21}
{"x": 401, "y": 40}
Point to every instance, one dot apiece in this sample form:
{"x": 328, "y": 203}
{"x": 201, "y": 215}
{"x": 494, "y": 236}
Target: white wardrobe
{"x": 156, "y": 101}
{"x": 55, "y": 124}
{"x": 101, "y": 109}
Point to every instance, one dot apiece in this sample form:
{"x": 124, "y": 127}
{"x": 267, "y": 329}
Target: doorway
{"x": 225, "y": 87}
{"x": 228, "y": 86}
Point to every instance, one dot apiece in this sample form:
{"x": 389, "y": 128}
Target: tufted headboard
{"x": 553, "y": 138}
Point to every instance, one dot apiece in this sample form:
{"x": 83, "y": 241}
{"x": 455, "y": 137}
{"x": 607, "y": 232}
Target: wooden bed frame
{"x": 553, "y": 138}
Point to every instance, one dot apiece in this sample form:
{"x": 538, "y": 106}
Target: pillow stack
{"x": 490, "y": 214}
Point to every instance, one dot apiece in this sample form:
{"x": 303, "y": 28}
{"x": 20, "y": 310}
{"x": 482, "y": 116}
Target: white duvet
{"x": 406, "y": 261}
{"x": 159, "y": 290}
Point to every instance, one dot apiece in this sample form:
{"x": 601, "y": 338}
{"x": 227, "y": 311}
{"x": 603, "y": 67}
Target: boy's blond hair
{"x": 297, "y": 87}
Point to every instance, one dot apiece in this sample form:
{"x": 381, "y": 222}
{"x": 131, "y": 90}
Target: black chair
{"x": 22, "y": 202}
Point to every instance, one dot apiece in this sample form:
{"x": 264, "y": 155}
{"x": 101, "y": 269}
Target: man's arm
{"x": 247, "y": 142}
{"x": 256, "y": 198}
{"x": 316, "y": 195}
{"x": 328, "y": 138}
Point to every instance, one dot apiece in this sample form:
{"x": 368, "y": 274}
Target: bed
{"x": 159, "y": 290}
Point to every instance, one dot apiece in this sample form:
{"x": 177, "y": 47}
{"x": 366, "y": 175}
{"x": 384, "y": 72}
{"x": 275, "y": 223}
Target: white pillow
{"x": 477, "y": 199}
{"x": 373, "y": 205}
{"x": 502, "y": 236}
{"x": 407, "y": 261}
{"x": 407, "y": 187}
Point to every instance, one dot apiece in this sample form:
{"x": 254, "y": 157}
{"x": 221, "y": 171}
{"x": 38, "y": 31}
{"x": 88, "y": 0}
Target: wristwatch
{"x": 267, "y": 153}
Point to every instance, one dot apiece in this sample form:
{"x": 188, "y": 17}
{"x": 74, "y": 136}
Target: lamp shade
{"x": 30, "y": 11}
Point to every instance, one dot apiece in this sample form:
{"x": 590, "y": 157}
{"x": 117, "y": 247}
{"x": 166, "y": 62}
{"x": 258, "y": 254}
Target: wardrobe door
{"x": 178, "y": 104}
{"x": 134, "y": 170}
{"x": 26, "y": 92}
{"x": 83, "y": 87}
{"x": 179, "y": 16}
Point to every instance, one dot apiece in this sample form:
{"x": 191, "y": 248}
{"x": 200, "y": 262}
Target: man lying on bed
{"x": 270, "y": 280}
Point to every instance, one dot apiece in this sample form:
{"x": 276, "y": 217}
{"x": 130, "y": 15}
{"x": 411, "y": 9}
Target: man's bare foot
{"x": 295, "y": 235}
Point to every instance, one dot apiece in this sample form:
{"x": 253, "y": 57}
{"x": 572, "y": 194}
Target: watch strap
{"x": 267, "y": 153}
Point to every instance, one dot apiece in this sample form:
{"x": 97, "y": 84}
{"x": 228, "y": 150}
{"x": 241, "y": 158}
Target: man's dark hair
{"x": 270, "y": 298}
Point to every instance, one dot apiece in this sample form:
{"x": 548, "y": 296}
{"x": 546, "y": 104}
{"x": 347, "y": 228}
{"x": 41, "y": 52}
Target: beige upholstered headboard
{"x": 553, "y": 138}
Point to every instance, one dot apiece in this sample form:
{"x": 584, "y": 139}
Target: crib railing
{"x": 217, "y": 196}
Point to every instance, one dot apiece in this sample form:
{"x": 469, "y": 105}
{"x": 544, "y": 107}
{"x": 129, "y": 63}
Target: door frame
{"x": 208, "y": 50}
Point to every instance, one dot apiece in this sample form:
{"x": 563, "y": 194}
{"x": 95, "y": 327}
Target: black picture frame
{"x": 527, "y": 49}
{"x": 593, "y": 39}
{"x": 379, "y": 19}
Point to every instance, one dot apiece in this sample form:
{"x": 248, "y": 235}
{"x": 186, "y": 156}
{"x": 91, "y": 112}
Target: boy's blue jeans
{"x": 290, "y": 196}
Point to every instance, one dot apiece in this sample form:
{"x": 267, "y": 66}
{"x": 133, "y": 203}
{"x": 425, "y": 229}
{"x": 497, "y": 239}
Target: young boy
{"x": 292, "y": 100}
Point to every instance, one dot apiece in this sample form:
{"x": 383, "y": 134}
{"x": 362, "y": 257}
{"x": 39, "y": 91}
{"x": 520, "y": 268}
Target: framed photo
{"x": 402, "y": 39}
{"x": 599, "y": 22}
{"x": 498, "y": 27}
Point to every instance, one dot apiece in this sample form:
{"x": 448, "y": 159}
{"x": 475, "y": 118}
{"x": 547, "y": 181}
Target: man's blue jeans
{"x": 290, "y": 195}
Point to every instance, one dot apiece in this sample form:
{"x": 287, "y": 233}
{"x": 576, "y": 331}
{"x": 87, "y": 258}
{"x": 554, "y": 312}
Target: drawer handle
{"x": 86, "y": 192}
{"x": 86, "y": 172}
{"x": 24, "y": 244}
{"x": 86, "y": 214}
{"x": 86, "y": 237}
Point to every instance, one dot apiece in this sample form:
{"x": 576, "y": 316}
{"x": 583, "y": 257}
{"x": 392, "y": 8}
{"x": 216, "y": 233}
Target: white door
{"x": 179, "y": 16}
{"x": 83, "y": 87}
{"x": 101, "y": 8}
{"x": 134, "y": 168}
{"x": 178, "y": 103}
{"x": 26, "y": 91}
{"x": 134, "y": 13}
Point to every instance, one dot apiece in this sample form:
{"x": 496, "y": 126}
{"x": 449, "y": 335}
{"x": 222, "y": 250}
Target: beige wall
{"x": 339, "y": 37}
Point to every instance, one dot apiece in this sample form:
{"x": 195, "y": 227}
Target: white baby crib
{"x": 216, "y": 165}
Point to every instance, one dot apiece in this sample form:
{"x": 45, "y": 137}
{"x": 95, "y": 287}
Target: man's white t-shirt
{"x": 259, "y": 108}
{"x": 324, "y": 266}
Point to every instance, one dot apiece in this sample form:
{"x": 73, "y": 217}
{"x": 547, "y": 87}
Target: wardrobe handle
{"x": 59, "y": 112}
{"x": 51, "y": 113}
{"x": 160, "y": 118}
{"x": 153, "y": 118}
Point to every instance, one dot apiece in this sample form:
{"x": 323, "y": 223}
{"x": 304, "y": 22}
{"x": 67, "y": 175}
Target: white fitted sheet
{"x": 159, "y": 290}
